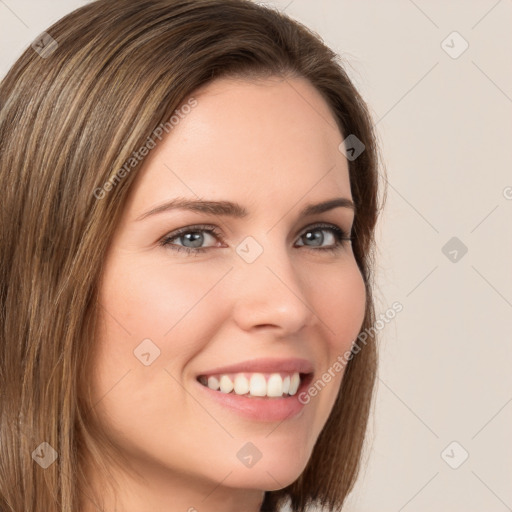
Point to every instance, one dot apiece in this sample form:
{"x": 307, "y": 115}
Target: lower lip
{"x": 260, "y": 408}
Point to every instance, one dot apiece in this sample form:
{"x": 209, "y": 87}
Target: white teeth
{"x": 286, "y": 384}
{"x": 275, "y": 385}
{"x": 226, "y": 384}
{"x": 241, "y": 385}
{"x": 294, "y": 384}
{"x": 254, "y": 384}
{"x": 258, "y": 385}
{"x": 213, "y": 383}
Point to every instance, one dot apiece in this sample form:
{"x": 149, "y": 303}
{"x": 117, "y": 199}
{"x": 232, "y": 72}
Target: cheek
{"x": 169, "y": 305}
{"x": 172, "y": 307}
{"x": 341, "y": 304}
{"x": 155, "y": 301}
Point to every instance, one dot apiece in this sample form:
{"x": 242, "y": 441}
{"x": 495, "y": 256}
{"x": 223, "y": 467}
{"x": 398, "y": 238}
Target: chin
{"x": 263, "y": 481}
{"x": 273, "y": 474}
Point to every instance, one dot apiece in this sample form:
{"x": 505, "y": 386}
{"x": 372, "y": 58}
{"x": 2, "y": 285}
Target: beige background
{"x": 445, "y": 126}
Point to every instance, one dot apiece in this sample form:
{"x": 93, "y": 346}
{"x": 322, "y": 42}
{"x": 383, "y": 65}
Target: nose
{"x": 271, "y": 293}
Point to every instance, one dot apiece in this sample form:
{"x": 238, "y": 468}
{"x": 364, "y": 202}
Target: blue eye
{"x": 192, "y": 238}
{"x": 335, "y": 233}
{"x": 196, "y": 239}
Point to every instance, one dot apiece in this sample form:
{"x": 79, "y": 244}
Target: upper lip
{"x": 265, "y": 365}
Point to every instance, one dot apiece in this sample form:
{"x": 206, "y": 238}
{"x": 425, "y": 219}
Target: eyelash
{"x": 339, "y": 234}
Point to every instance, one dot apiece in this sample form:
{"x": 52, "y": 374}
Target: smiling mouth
{"x": 254, "y": 384}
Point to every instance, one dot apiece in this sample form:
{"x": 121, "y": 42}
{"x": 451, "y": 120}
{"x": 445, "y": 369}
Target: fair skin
{"x": 272, "y": 147}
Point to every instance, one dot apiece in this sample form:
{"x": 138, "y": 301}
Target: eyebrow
{"x": 230, "y": 209}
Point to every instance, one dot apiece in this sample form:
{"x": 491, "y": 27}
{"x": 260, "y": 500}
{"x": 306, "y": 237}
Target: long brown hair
{"x": 74, "y": 108}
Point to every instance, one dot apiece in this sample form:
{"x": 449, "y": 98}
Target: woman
{"x": 188, "y": 213}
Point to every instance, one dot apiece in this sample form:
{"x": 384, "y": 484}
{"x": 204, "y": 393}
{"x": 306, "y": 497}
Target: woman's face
{"x": 270, "y": 292}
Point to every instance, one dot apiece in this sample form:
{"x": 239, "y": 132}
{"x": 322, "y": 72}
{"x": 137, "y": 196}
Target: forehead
{"x": 272, "y": 138}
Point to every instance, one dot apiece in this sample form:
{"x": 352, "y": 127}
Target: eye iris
{"x": 195, "y": 237}
{"x": 315, "y": 236}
